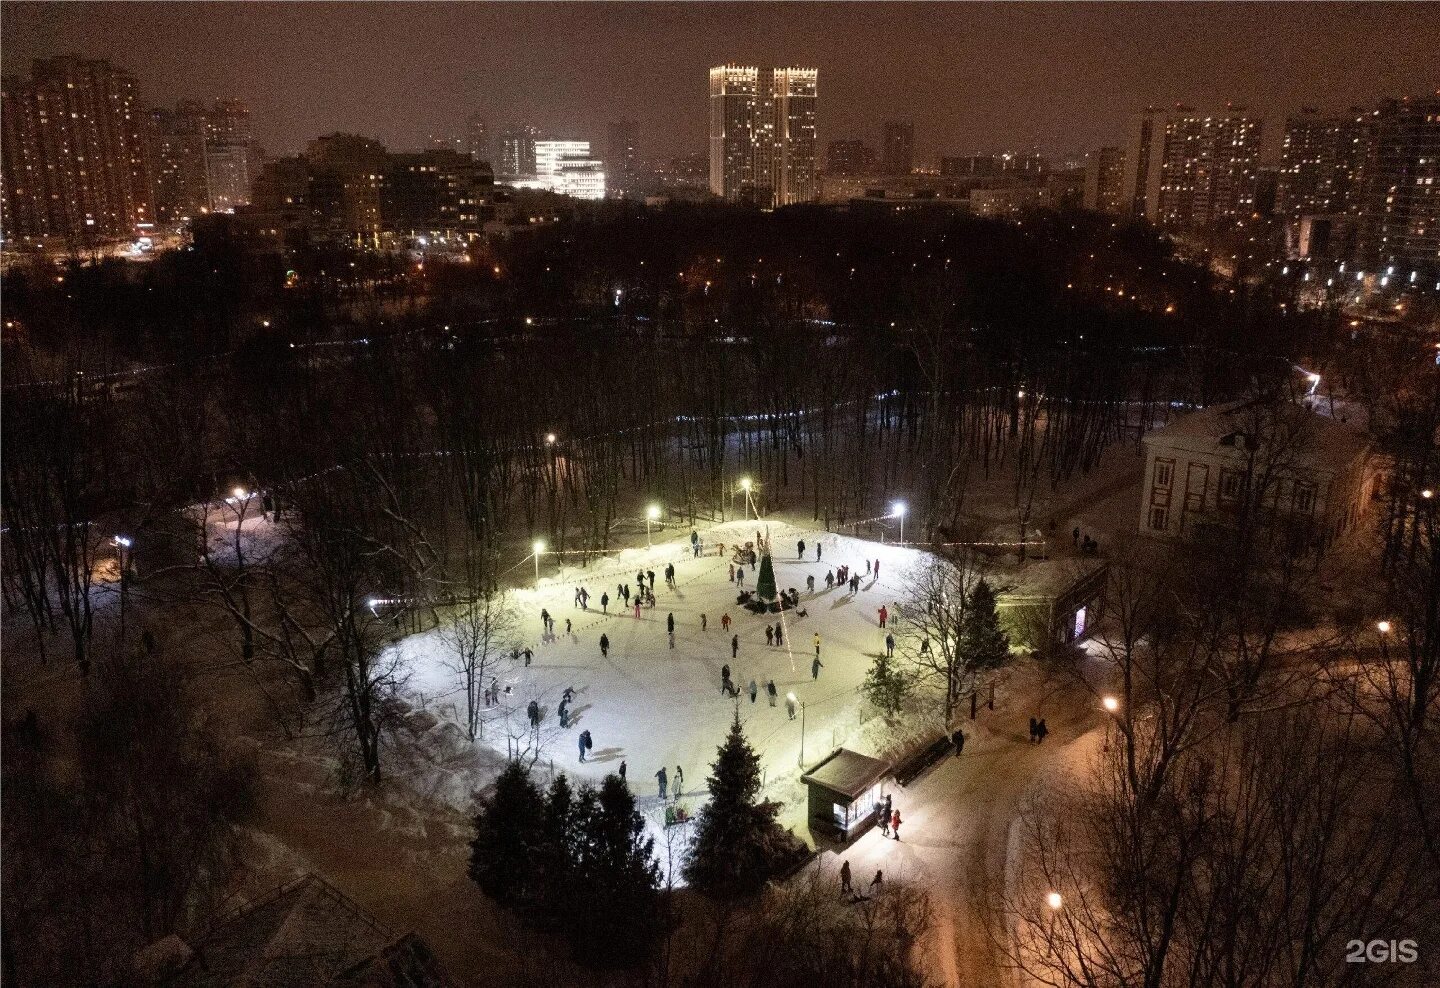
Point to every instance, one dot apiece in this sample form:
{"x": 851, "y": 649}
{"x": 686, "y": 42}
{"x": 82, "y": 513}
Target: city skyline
{"x": 1059, "y": 79}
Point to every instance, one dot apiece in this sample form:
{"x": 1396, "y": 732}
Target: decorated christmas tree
{"x": 765, "y": 582}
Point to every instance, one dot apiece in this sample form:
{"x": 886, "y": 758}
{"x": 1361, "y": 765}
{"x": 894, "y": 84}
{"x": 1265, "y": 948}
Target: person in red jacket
{"x": 884, "y": 615}
{"x": 895, "y": 824}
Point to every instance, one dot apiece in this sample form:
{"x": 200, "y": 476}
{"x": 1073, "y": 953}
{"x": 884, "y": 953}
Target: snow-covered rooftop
{"x": 1321, "y": 442}
{"x": 847, "y": 772}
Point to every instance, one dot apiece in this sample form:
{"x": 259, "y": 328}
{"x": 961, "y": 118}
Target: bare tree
{"x": 478, "y": 632}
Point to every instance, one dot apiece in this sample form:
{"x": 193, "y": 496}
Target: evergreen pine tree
{"x": 554, "y": 858}
{"x": 738, "y": 843}
{"x": 616, "y": 911}
{"x": 765, "y": 582}
{"x": 983, "y": 643}
{"x": 886, "y": 686}
{"x": 507, "y": 836}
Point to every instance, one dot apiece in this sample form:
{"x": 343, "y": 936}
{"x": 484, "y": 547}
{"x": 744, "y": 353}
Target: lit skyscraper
{"x": 230, "y": 153}
{"x": 762, "y": 134}
{"x": 1320, "y": 161}
{"x": 1104, "y": 169}
{"x": 568, "y": 168}
{"x": 1399, "y": 195}
{"x": 622, "y": 155}
{"x": 179, "y": 175}
{"x": 1185, "y": 169}
{"x": 516, "y": 149}
{"x": 74, "y": 156}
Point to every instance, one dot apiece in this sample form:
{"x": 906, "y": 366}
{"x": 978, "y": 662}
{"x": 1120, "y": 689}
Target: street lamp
{"x": 897, "y": 510}
{"x": 539, "y": 547}
{"x": 1383, "y": 627}
{"x": 745, "y": 486}
{"x": 1054, "y": 901}
{"x": 652, "y": 514}
{"x": 1111, "y": 705}
{"x": 791, "y": 698}
{"x": 549, "y": 439}
{"x": 1427, "y": 493}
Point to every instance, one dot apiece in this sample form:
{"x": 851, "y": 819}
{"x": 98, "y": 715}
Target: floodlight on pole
{"x": 652, "y": 514}
{"x": 1111, "y": 705}
{"x": 897, "y": 510}
{"x": 745, "y": 486}
{"x": 549, "y": 439}
{"x": 539, "y": 548}
{"x": 1054, "y": 901}
{"x": 1383, "y": 627}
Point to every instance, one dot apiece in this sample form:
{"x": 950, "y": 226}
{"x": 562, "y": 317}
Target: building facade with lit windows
{"x": 568, "y": 168}
{"x": 1320, "y": 161}
{"x": 897, "y": 149}
{"x": 72, "y": 143}
{"x": 1399, "y": 194}
{"x": 763, "y": 140}
{"x": 1285, "y": 464}
{"x": 179, "y": 174}
{"x": 1185, "y": 169}
{"x": 1104, "y": 172}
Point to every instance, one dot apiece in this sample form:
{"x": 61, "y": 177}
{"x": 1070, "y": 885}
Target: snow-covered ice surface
{"x": 650, "y": 706}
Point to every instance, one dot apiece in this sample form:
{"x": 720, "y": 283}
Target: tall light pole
{"x": 1111, "y": 705}
{"x": 539, "y": 547}
{"x": 1384, "y": 628}
{"x": 745, "y": 486}
{"x": 652, "y": 513}
{"x": 791, "y": 698}
{"x": 897, "y": 510}
{"x": 122, "y": 546}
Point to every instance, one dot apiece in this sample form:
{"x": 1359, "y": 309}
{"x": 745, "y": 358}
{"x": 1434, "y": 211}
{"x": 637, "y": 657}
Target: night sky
{"x": 974, "y": 77}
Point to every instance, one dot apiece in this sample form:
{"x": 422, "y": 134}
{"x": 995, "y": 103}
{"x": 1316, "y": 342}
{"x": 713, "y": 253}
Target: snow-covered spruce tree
{"x": 738, "y": 843}
{"x": 886, "y": 685}
{"x": 508, "y": 837}
{"x": 765, "y": 582}
{"x": 982, "y": 641}
{"x": 616, "y": 913}
{"x": 554, "y": 860}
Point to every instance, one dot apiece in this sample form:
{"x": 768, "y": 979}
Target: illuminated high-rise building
{"x": 1187, "y": 169}
{"x": 516, "y": 151}
{"x": 230, "y": 152}
{"x": 897, "y": 149}
{"x": 622, "y": 156}
{"x": 73, "y": 152}
{"x": 1104, "y": 169}
{"x": 179, "y": 174}
{"x": 1320, "y": 161}
{"x": 1399, "y": 190}
{"x": 763, "y": 134}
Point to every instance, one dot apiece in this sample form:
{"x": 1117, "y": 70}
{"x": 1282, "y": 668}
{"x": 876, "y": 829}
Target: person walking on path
{"x": 621, "y": 772}
{"x": 817, "y": 646}
{"x": 564, "y": 712}
{"x": 637, "y": 608}
{"x": 1041, "y": 730}
{"x": 769, "y": 635}
{"x": 740, "y": 578}
{"x": 810, "y": 583}
{"x": 679, "y": 782}
{"x": 732, "y": 572}
{"x": 704, "y": 621}
{"x": 958, "y": 740}
{"x": 605, "y": 646}
{"x": 753, "y": 690}
{"x": 1034, "y": 729}
{"x": 877, "y": 884}
{"x": 884, "y": 615}
{"x": 877, "y": 569}
{"x": 817, "y": 552}
{"x": 529, "y": 656}
{"x": 770, "y": 691}
{"x": 790, "y": 705}
{"x": 885, "y": 816}
{"x": 567, "y": 626}
{"x": 534, "y": 711}
{"x": 604, "y": 603}
{"x": 663, "y": 780}
{"x": 725, "y": 678}
{"x": 895, "y": 824}
{"x": 800, "y": 549}
{"x": 544, "y": 619}
{"x": 584, "y": 742}
{"x": 650, "y": 573}
{"x": 695, "y": 541}
{"x": 889, "y": 646}
{"x": 670, "y": 622}
{"x": 845, "y": 888}
{"x": 779, "y": 636}
{"x": 735, "y": 647}
{"x": 725, "y": 621}
{"x": 815, "y": 668}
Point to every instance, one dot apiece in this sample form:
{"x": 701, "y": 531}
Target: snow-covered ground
{"x": 650, "y": 706}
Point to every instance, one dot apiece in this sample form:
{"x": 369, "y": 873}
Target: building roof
{"x": 305, "y": 933}
{"x": 1044, "y": 578}
{"x": 847, "y": 773}
{"x": 1321, "y": 442}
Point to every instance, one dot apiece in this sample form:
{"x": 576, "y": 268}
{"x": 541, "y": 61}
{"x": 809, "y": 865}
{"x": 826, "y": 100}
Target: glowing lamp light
{"x": 1111, "y": 704}
{"x": 745, "y": 483}
{"x": 549, "y": 439}
{"x": 240, "y": 493}
{"x": 898, "y": 509}
{"x": 1427, "y": 493}
{"x": 529, "y": 321}
{"x": 1054, "y": 901}
{"x": 653, "y": 512}
{"x": 539, "y": 546}
{"x": 1383, "y": 627}
{"x": 124, "y": 541}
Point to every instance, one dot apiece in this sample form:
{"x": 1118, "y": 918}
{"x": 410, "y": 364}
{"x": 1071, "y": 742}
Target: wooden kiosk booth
{"x": 844, "y": 790}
